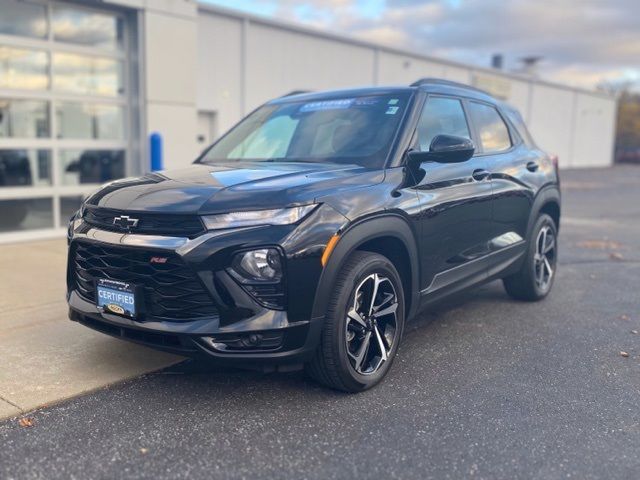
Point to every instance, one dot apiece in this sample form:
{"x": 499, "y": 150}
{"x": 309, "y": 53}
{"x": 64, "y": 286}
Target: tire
{"x": 534, "y": 280}
{"x": 343, "y": 361}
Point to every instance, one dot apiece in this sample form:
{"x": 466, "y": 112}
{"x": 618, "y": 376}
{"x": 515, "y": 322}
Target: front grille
{"x": 171, "y": 290}
{"x": 148, "y": 223}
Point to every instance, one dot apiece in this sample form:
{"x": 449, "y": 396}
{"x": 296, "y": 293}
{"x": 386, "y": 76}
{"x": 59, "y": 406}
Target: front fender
{"x": 356, "y": 234}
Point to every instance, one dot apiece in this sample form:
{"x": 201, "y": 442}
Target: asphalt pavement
{"x": 483, "y": 387}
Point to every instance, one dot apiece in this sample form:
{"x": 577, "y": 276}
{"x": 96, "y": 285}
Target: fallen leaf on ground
{"x": 635, "y": 332}
{"x": 26, "y": 422}
{"x": 624, "y": 354}
{"x": 143, "y": 451}
{"x": 616, "y": 256}
{"x": 624, "y": 316}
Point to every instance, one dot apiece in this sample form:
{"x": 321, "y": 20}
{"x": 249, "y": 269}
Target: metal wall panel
{"x": 279, "y": 61}
{"x": 593, "y": 137}
{"x": 551, "y": 120}
{"x": 219, "y": 70}
{"x": 397, "y": 69}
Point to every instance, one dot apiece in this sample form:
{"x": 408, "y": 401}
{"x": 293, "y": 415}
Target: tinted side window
{"x": 521, "y": 127}
{"x": 494, "y": 134}
{"x": 441, "y": 116}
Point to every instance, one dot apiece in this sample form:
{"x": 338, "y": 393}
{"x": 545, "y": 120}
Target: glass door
{"x": 64, "y": 111}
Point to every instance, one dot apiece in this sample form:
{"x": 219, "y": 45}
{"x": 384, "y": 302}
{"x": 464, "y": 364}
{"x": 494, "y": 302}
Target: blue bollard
{"x": 155, "y": 151}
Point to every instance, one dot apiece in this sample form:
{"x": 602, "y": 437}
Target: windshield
{"x": 353, "y": 130}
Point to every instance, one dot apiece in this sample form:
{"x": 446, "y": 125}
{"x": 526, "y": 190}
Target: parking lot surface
{"x": 484, "y": 387}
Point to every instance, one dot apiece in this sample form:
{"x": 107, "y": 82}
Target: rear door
{"x": 455, "y": 201}
{"x": 509, "y": 160}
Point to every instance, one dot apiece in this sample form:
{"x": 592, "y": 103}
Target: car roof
{"x": 430, "y": 85}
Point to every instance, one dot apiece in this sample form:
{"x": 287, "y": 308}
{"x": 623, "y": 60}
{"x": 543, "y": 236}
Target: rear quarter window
{"x": 494, "y": 133}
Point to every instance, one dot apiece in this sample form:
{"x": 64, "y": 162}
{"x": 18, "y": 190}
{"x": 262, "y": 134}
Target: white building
{"x": 83, "y": 84}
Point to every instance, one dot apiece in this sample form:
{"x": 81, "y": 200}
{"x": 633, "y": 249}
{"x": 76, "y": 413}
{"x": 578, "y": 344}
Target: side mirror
{"x": 443, "y": 149}
{"x": 451, "y": 149}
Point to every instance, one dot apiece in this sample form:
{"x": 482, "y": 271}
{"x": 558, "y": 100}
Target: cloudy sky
{"x": 582, "y": 42}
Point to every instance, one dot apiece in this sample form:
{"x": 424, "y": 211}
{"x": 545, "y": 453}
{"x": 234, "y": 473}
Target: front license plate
{"x": 116, "y": 297}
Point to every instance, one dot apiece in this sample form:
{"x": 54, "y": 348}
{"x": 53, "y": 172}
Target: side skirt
{"x": 490, "y": 267}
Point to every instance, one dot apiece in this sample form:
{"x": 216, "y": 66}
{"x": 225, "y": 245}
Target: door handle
{"x": 480, "y": 174}
{"x": 532, "y": 166}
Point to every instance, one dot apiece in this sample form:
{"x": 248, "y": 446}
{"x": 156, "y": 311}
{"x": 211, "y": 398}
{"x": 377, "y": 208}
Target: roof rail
{"x": 441, "y": 81}
{"x": 295, "y": 92}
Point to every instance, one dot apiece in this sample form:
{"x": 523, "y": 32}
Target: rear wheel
{"x": 363, "y": 325}
{"x": 535, "y": 278}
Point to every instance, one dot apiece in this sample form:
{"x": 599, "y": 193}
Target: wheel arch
{"x": 389, "y": 235}
{"x": 547, "y": 201}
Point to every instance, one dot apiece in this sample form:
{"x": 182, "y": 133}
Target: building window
{"x": 26, "y": 214}
{"x": 68, "y": 207}
{"x": 87, "y": 75}
{"x": 23, "y": 18}
{"x": 87, "y": 28}
{"x": 24, "y": 118}
{"x": 25, "y": 168}
{"x": 89, "y": 121}
{"x": 78, "y": 167}
{"x": 23, "y": 68}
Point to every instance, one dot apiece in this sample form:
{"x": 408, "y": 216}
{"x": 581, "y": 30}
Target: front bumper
{"x": 294, "y": 343}
{"x": 257, "y": 336}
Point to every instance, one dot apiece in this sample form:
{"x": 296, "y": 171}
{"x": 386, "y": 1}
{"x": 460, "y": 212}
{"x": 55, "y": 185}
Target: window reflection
{"x": 23, "y": 118}
{"x": 90, "y": 166}
{"x": 22, "y": 68}
{"x": 441, "y": 116}
{"x": 68, "y": 207}
{"x": 92, "y": 121}
{"x": 87, "y": 28}
{"x": 26, "y": 214}
{"x": 23, "y": 18}
{"x": 494, "y": 134}
{"x": 24, "y": 168}
{"x": 87, "y": 75}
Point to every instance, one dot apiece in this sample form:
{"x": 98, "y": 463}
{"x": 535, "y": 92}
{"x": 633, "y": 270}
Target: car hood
{"x": 206, "y": 188}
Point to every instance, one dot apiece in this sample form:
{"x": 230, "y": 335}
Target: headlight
{"x": 280, "y": 216}
{"x": 263, "y": 265}
{"x": 260, "y": 273}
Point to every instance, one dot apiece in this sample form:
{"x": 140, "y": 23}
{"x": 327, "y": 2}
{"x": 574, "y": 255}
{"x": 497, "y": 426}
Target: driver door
{"x": 455, "y": 204}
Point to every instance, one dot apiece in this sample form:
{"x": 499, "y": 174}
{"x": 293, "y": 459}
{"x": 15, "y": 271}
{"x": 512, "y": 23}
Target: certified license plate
{"x": 116, "y": 297}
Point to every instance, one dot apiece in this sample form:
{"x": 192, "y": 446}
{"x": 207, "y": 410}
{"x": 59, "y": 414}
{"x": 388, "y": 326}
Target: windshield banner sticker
{"x": 327, "y": 105}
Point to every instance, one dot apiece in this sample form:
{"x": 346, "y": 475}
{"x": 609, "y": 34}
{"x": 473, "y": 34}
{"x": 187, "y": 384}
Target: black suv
{"x": 311, "y": 231}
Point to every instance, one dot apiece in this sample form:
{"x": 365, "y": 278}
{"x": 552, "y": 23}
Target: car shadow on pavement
{"x": 422, "y": 333}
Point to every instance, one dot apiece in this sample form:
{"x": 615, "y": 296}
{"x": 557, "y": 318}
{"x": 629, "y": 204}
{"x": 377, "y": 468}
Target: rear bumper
{"x": 286, "y": 344}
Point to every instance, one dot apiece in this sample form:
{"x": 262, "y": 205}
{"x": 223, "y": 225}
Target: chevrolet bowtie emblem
{"x": 125, "y": 222}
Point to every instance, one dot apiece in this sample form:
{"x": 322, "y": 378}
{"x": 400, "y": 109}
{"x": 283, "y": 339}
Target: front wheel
{"x": 535, "y": 278}
{"x": 363, "y": 325}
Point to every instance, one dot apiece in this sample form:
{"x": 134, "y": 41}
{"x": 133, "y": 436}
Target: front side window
{"x": 441, "y": 116}
{"x": 494, "y": 134}
{"x": 354, "y": 130}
